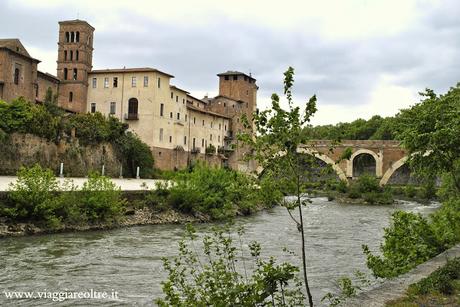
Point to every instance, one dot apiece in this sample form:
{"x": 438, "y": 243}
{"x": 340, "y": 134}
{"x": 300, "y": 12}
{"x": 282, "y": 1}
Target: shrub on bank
{"x": 412, "y": 239}
{"x": 368, "y": 188}
{"x": 219, "y": 192}
{"x": 36, "y": 196}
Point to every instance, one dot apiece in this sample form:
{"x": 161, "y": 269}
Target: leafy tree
{"x": 279, "y": 134}
{"x": 430, "y": 132}
{"x": 135, "y": 153}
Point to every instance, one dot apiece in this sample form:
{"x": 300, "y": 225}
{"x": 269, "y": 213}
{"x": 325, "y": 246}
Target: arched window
{"x": 67, "y": 37}
{"x": 16, "y": 76}
{"x": 65, "y": 73}
{"x": 70, "y": 96}
{"x": 72, "y": 37}
{"x": 78, "y": 37}
{"x": 133, "y": 108}
{"x": 75, "y": 74}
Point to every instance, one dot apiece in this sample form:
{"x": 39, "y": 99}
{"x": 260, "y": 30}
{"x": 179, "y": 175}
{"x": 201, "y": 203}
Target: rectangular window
{"x": 159, "y": 82}
{"x": 203, "y": 122}
{"x": 218, "y": 138}
{"x": 211, "y": 124}
{"x": 170, "y": 139}
{"x": 115, "y": 81}
{"x": 146, "y": 81}
{"x": 161, "y": 134}
{"x": 170, "y": 115}
{"x": 185, "y": 140}
{"x": 94, "y": 82}
{"x": 178, "y": 116}
{"x": 210, "y": 137}
{"x": 226, "y": 77}
{"x": 235, "y": 78}
{"x": 183, "y": 100}
{"x": 133, "y": 82}
{"x": 185, "y": 117}
{"x": 193, "y": 143}
{"x": 172, "y": 95}
{"x": 177, "y": 98}
{"x": 225, "y": 127}
{"x": 162, "y": 109}
{"x": 194, "y": 120}
{"x": 106, "y": 82}
{"x": 113, "y": 107}
{"x": 93, "y": 107}
{"x": 220, "y": 126}
{"x": 202, "y": 142}
{"x": 75, "y": 74}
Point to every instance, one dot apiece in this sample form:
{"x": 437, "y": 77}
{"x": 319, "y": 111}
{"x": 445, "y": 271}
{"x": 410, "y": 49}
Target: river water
{"x": 129, "y": 260}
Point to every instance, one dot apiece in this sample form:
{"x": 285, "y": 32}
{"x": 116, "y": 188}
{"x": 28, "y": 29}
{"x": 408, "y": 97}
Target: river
{"x": 128, "y": 260}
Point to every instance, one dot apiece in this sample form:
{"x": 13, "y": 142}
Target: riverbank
{"x": 396, "y": 288}
{"x": 135, "y": 217}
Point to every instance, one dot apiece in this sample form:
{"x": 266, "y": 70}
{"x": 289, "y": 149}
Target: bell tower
{"x": 74, "y": 62}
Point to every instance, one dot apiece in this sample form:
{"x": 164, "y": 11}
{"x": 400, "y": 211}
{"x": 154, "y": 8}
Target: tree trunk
{"x": 304, "y": 257}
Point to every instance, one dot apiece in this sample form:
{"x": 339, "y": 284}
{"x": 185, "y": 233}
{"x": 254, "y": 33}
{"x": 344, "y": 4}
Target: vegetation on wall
{"x": 48, "y": 121}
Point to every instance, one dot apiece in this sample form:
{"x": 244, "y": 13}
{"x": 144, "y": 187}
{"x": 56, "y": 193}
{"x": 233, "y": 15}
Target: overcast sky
{"x": 359, "y": 57}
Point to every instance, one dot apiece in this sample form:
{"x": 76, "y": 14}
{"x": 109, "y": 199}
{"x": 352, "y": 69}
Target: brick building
{"x": 178, "y": 127}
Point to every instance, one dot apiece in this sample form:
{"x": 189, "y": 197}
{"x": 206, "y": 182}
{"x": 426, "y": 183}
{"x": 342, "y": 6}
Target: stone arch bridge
{"x": 380, "y": 158}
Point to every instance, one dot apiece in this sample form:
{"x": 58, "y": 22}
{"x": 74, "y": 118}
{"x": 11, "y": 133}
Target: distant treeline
{"x": 376, "y": 128}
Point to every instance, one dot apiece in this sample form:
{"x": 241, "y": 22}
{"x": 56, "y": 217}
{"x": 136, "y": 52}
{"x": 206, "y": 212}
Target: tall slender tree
{"x": 275, "y": 142}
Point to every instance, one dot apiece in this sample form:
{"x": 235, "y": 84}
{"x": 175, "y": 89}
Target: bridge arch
{"x": 319, "y": 156}
{"x": 377, "y": 158}
{"x": 390, "y": 171}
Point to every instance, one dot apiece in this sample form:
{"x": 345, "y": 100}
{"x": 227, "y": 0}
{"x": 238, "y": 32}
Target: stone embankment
{"x": 393, "y": 289}
{"x": 144, "y": 216}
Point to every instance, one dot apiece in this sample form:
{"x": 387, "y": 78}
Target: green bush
{"x": 440, "y": 280}
{"x": 369, "y": 189}
{"x": 410, "y": 191}
{"x": 446, "y": 223}
{"x": 101, "y": 199}
{"x": 408, "y": 242}
{"x": 33, "y": 194}
{"x": 221, "y": 193}
{"x": 36, "y": 196}
{"x": 24, "y": 117}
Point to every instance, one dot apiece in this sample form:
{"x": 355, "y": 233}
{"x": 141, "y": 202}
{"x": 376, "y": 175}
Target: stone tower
{"x": 75, "y": 57}
{"x": 240, "y": 87}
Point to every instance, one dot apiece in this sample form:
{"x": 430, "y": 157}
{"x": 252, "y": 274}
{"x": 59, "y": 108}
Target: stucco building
{"x": 178, "y": 127}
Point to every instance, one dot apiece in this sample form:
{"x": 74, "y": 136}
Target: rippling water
{"x": 129, "y": 260}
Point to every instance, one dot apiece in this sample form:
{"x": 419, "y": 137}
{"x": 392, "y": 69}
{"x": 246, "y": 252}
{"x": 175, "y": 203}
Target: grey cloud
{"x": 340, "y": 72}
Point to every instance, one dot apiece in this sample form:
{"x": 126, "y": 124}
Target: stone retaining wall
{"x": 395, "y": 288}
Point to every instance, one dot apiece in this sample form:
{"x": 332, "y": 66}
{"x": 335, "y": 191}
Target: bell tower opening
{"x": 74, "y": 62}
